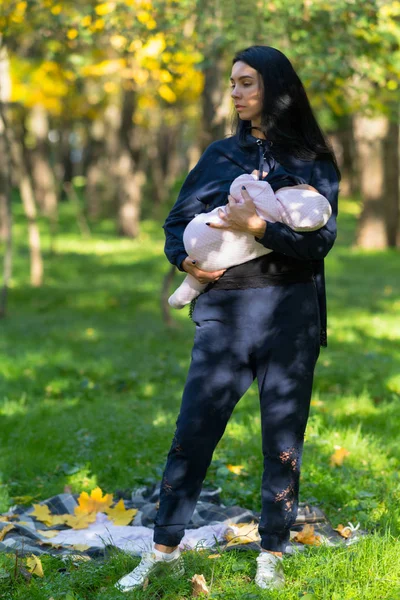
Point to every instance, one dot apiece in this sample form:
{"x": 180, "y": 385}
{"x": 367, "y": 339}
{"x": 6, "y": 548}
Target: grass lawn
{"x": 90, "y": 386}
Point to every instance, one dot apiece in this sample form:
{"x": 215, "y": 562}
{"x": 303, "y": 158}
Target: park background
{"x": 104, "y": 108}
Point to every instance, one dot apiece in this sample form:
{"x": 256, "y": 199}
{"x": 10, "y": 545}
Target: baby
{"x": 215, "y": 249}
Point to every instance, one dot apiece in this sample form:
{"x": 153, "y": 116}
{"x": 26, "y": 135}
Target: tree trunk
{"x": 100, "y": 188}
{"x": 66, "y": 166}
{"x": 391, "y": 184}
{"x": 370, "y": 136}
{"x": 164, "y": 161}
{"x": 43, "y": 179}
{"x": 213, "y": 99}
{"x": 42, "y": 172}
{"x": 5, "y": 179}
{"x": 350, "y": 183}
{"x": 129, "y": 177}
{"x": 29, "y": 204}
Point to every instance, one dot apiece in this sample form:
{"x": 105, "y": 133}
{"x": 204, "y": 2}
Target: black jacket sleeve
{"x": 309, "y": 245}
{"x": 197, "y": 190}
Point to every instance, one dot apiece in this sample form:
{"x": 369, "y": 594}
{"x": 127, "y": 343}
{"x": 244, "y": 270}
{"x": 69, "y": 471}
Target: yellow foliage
{"x": 110, "y": 87}
{"x": 18, "y": 14}
{"x": 98, "y": 25}
{"x": 153, "y": 48}
{"x": 105, "y": 9}
{"x": 165, "y": 76}
{"x": 135, "y": 45}
{"x": 118, "y": 41}
{"x": 56, "y": 9}
{"x": 143, "y": 17}
{"x": 105, "y": 67}
{"x": 166, "y": 93}
{"x": 72, "y": 34}
{"x": 21, "y": 7}
{"x": 32, "y": 84}
{"x": 86, "y": 21}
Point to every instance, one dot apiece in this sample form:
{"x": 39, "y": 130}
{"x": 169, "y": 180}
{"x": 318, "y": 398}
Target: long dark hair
{"x": 287, "y": 118}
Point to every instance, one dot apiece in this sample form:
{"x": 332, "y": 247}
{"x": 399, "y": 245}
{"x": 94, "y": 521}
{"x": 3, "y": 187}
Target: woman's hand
{"x": 241, "y": 217}
{"x": 201, "y": 276}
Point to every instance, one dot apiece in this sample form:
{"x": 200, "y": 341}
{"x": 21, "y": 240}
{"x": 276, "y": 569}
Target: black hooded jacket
{"x": 207, "y": 186}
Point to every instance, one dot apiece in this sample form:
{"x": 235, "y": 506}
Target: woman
{"x": 264, "y": 319}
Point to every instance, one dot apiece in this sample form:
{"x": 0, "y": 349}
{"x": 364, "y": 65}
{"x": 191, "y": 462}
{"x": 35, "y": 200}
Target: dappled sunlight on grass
{"x": 10, "y": 408}
{"x": 92, "y": 380}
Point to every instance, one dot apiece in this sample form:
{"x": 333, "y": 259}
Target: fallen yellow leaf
{"x": 49, "y": 533}
{"x": 338, "y": 456}
{"x": 81, "y": 547}
{"x": 96, "y": 502}
{"x": 307, "y": 536}
{"x": 214, "y": 556}
{"x": 81, "y": 521}
{"x": 242, "y": 533}
{"x": 199, "y": 586}
{"x": 34, "y": 565}
{"x": 43, "y": 514}
{"x": 5, "y": 530}
{"x": 119, "y": 515}
{"x": 237, "y": 469}
{"x": 344, "y": 531}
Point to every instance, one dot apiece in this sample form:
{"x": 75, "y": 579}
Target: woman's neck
{"x": 256, "y": 131}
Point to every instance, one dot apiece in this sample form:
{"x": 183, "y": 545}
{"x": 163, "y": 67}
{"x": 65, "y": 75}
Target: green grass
{"x": 90, "y": 386}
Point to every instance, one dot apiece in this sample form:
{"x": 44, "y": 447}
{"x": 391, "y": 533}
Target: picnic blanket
{"x": 211, "y": 525}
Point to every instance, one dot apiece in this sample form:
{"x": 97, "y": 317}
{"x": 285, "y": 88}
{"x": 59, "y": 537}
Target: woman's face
{"x": 246, "y": 92}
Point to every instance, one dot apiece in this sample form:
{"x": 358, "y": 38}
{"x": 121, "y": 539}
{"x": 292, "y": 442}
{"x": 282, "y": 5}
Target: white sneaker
{"x": 269, "y": 574}
{"x": 152, "y": 563}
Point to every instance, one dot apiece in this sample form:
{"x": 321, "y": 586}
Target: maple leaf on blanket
{"x": 242, "y": 533}
{"x": 86, "y": 511}
{"x": 80, "y": 521}
{"x": 94, "y": 503}
{"x": 49, "y": 533}
{"x": 42, "y": 513}
{"x": 88, "y": 507}
{"x": 344, "y": 531}
{"x": 5, "y": 530}
{"x": 119, "y": 515}
{"x": 307, "y": 536}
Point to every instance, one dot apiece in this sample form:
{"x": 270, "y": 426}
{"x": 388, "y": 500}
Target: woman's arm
{"x": 312, "y": 245}
{"x": 197, "y": 185}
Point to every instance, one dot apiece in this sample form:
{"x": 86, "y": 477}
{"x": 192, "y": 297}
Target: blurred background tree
{"x": 107, "y": 105}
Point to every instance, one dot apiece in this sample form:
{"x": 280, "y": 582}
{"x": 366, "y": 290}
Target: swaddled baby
{"x": 215, "y": 249}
